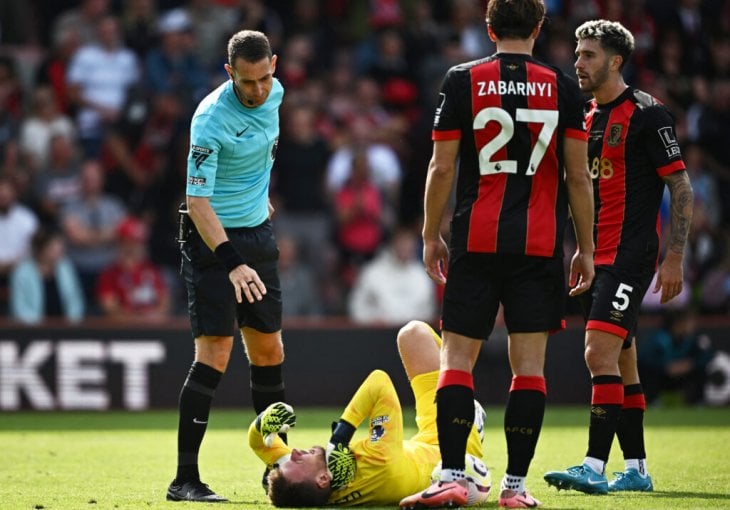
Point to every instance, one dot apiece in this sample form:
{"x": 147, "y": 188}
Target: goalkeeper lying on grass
{"x": 382, "y": 467}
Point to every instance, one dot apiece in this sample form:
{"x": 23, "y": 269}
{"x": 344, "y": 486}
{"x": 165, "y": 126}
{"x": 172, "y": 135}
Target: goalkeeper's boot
{"x": 580, "y": 478}
{"x": 630, "y": 480}
{"x": 513, "y": 499}
{"x": 192, "y": 490}
{"x": 439, "y": 495}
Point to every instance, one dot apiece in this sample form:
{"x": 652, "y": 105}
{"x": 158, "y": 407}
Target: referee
{"x": 229, "y": 257}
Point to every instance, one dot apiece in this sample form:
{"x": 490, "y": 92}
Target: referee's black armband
{"x": 228, "y": 256}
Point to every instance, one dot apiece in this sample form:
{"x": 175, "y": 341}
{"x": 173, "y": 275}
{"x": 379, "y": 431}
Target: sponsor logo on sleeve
{"x": 199, "y": 154}
{"x": 666, "y": 134}
{"x": 196, "y": 181}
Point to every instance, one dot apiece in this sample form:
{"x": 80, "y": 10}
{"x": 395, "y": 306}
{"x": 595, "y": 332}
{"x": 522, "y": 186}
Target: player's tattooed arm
{"x": 680, "y": 205}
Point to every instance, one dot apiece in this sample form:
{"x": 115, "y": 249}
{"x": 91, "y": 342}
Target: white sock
{"x": 452, "y": 475}
{"x": 637, "y": 464}
{"x": 513, "y": 483}
{"x": 595, "y": 464}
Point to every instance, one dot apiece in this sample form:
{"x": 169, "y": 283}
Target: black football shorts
{"x": 612, "y": 304}
{"x": 531, "y": 290}
{"x": 211, "y": 299}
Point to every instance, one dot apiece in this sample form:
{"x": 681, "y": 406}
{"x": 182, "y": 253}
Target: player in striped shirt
{"x": 515, "y": 125}
{"x": 633, "y": 153}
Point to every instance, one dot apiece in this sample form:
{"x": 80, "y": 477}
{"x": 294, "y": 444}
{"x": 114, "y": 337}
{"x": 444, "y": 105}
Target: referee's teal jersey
{"x": 232, "y": 150}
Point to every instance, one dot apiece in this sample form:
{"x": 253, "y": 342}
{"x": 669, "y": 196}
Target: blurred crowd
{"x": 96, "y": 98}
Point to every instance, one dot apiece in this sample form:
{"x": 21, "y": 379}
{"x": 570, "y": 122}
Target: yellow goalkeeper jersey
{"x": 388, "y": 467}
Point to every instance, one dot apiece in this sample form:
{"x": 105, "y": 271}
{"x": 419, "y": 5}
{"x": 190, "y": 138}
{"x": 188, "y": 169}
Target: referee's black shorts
{"x": 531, "y": 290}
{"x": 211, "y": 298}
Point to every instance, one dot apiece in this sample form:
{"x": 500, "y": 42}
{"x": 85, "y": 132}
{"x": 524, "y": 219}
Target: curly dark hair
{"x": 613, "y": 37}
{"x": 284, "y": 493}
{"x": 249, "y": 45}
{"x": 514, "y": 19}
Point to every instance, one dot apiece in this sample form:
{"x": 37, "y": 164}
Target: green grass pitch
{"x": 116, "y": 460}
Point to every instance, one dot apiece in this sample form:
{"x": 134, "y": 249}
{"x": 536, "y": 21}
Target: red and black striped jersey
{"x": 631, "y": 146}
{"x": 510, "y": 113}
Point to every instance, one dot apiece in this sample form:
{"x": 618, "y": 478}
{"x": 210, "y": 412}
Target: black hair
{"x": 249, "y": 45}
{"x": 613, "y": 37}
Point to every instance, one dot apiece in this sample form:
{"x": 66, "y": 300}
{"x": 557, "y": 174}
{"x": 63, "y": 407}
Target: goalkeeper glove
{"x": 341, "y": 465}
{"x": 342, "y": 432}
{"x": 277, "y": 418}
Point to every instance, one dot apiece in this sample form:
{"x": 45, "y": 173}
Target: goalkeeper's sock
{"x": 267, "y": 387}
{"x": 454, "y": 416}
{"x": 523, "y": 421}
{"x": 630, "y": 429}
{"x": 606, "y": 402}
{"x": 195, "y": 400}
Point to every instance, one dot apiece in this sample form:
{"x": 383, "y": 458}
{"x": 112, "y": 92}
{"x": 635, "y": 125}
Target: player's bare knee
{"x": 412, "y": 334}
{"x": 599, "y": 362}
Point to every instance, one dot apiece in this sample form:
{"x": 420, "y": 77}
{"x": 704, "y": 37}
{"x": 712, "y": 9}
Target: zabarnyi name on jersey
{"x": 516, "y": 88}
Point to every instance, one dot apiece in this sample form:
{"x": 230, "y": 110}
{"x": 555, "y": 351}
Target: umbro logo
{"x": 239, "y": 133}
{"x": 598, "y": 412}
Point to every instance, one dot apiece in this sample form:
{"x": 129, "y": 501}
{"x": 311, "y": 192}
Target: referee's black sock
{"x": 267, "y": 387}
{"x": 606, "y": 402}
{"x": 195, "y": 400}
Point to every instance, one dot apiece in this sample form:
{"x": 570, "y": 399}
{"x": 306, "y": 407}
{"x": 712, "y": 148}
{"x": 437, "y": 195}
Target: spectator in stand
{"x": 58, "y": 182}
{"x": 139, "y": 25}
{"x": 83, "y": 19}
{"x": 132, "y": 288}
{"x": 715, "y": 286}
{"x": 467, "y": 19}
{"x": 383, "y": 163}
{"x": 38, "y": 128}
{"x": 298, "y": 282}
{"x": 675, "y": 357}
{"x": 53, "y": 69}
{"x": 11, "y": 103}
{"x": 299, "y": 184}
{"x": 714, "y": 124}
{"x": 212, "y": 23}
{"x": 90, "y": 226}
{"x": 359, "y": 214}
{"x": 141, "y": 148}
{"x": 393, "y": 288}
{"x": 45, "y": 285}
{"x": 390, "y": 61}
{"x": 172, "y": 67}
{"x": 17, "y": 226}
{"x": 98, "y": 78}
{"x": 261, "y": 16}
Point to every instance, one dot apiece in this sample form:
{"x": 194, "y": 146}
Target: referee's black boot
{"x": 192, "y": 490}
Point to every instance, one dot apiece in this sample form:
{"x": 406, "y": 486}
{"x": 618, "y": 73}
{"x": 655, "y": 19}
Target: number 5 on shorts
{"x": 623, "y": 299}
